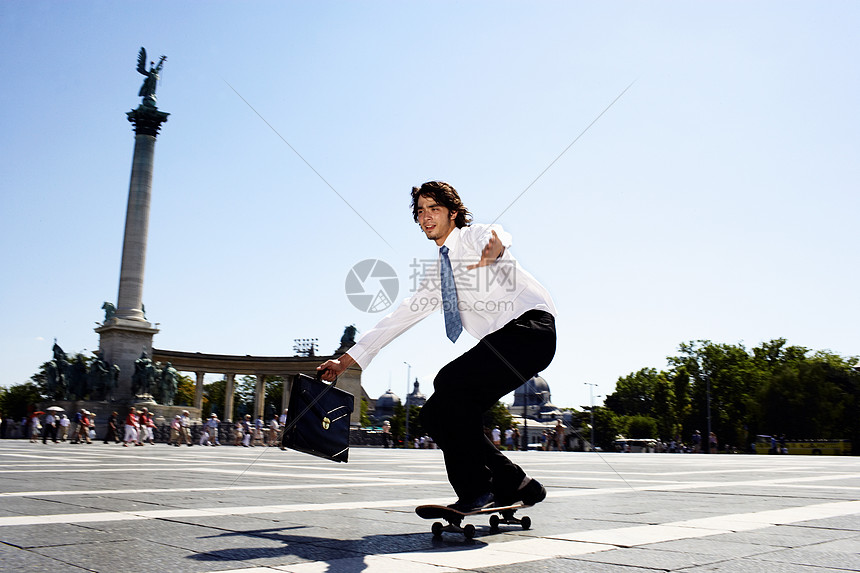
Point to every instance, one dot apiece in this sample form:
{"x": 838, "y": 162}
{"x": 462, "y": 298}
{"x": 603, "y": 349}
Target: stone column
{"x": 147, "y": 121}
{"x": 125, "y": 335}
{"x": 198, "y": 391}
{"x": 285, "y": 398}
{"x": 260, "y": 396}
{"x": 228, "y": 398}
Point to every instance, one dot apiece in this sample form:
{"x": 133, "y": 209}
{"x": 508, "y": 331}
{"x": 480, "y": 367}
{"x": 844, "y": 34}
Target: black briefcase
{"x": 318, "y": 419}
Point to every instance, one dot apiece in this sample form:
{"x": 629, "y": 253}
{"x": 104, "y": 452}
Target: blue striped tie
{"x": 453, "y": 324}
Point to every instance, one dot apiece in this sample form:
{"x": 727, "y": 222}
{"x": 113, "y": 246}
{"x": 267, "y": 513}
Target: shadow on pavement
{"x": 322, "y": 549}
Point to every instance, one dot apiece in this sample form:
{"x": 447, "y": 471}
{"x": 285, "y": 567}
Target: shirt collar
{"x": 452, "y": 240}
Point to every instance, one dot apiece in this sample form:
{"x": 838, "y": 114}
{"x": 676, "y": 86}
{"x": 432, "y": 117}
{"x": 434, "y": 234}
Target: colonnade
{"x": 262, "y": 368}
{"x": 229, "y": 394}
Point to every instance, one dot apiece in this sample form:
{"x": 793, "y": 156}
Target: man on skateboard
{"x": 479, "y": 286}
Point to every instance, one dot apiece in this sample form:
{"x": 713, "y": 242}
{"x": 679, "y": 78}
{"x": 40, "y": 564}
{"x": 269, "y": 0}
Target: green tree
{"x": 184, "y": 390}
{"x": 215, "y": 393}
{"x": 580, "y": 424}
{"x": 499, "y": 416}
{"x": 243, "y": 395}
{"x": 607, "y": 426}
{"x": 19, "y": 400}
{"x": 634, "y": 393}
{"x": 682, "y": 406}
{"x": 398, "y": 423}
{"x": 416, "y": 429}
{"x": 40, "y": 380}
{"x": 274, "y": 395}
{"x": 647, "y": 393}
{"x": 727, "y": 375}
{"x": 364, "y": 419}
{"x": 663, "y": 409}
{"x": 640, "y": 427}
{"x": 812, "y": 398}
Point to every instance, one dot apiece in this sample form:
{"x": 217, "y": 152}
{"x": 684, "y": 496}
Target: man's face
{"x": 435, "y": 220}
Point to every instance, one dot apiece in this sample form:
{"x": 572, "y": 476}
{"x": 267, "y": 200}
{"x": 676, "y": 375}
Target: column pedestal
{"x": 121, "y": 342}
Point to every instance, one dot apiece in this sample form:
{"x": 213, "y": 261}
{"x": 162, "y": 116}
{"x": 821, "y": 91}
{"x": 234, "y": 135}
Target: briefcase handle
{"x": 319, "y": 375}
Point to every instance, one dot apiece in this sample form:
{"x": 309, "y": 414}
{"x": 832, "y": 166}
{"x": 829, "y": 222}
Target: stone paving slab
{"x": 117, "y": 556}
{"x": 788, "y": 536}
{"x": 33, "y": 536}
{"x": 18, "y": 560}
{"x": 847, "y": 523}
{"x": 261, "y": 510}
{"x": 755, "y": 566}
{"x": 654, "y": 559}
{"x": 843, "y": 554}
{"x": 565, "y": 566}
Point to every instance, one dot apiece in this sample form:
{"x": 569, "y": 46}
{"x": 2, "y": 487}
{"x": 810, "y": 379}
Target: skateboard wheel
{"x": 494, "y": 522}
{"x": 526, "y": 522}
{"x": 436, "y": 529}
{"x": 469, "y": 531}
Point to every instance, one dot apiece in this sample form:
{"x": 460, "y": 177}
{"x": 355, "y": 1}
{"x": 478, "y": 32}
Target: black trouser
{"x": 111, "y": 435}
{"x": 470, "y": 385}
{"x": 49, "y": 431}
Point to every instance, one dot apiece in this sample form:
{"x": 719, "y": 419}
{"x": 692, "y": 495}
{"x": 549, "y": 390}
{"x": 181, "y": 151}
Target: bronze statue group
{"x": 71, "y": 379}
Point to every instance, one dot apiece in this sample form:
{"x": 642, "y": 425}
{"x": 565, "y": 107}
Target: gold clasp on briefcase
{"x": 326, "y": 423}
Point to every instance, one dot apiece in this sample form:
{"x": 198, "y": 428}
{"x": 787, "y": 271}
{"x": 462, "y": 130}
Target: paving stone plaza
{"x": 105, "y": 508}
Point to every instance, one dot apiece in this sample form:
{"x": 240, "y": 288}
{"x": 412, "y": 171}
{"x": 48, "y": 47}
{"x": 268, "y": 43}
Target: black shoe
{"x": 467, "y": 506}
{"x": 530, "y": 494}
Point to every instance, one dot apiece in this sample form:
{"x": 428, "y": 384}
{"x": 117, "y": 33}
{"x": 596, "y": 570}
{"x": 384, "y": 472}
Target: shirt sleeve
{"x": 480, "y": 234}
{"x": 412, "y": 310}
{"x": 501, "y": 273}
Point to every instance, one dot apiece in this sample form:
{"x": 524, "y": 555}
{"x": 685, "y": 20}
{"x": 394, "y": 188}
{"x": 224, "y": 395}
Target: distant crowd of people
{"x": 138, "y": 427}
{"x": 250, "y": 433}
{"x": 549, "y": 438}
{"x": 53, "y": 426}
{"x": 696, "y": 445}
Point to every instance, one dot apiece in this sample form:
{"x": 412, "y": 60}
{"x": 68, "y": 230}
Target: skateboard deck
{"x": 498, "y": 515}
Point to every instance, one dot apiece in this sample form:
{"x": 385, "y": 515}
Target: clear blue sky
{"x": 717, "y": 199}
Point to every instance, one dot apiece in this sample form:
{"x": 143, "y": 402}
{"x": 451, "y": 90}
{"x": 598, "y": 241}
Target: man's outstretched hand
{"x": 491, "y": 252}
{"x": 331, "y": 369}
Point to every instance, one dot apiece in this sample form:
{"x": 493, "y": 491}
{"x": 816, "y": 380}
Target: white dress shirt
{"x": 489, "y": 297}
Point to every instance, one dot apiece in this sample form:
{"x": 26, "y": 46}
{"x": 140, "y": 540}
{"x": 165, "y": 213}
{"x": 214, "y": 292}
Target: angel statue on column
{"x": 147, "y": 90}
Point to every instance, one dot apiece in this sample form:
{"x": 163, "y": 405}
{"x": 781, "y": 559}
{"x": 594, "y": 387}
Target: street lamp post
{"x": 707, "y": 439}
{"x": 406, "y": 403}
{"x": 591, "y": 393}
{"x": 529, "y": 389}
{"x": 525, "y": 439}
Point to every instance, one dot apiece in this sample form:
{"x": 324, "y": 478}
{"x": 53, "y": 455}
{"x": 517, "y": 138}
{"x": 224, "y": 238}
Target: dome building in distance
{"x": 385, "y": 405}
{"x": 533, "y": 400}
{"x": 415, "y": 398}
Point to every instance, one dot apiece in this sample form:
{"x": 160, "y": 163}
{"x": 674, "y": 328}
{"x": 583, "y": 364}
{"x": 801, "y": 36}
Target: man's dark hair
{"x": 445, "y": 195}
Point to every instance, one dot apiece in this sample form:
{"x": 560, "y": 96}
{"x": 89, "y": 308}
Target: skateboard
{"x": 498, "y": 515}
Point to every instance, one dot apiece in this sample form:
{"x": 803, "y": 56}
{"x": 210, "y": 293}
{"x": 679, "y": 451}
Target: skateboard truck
{"x": 508, "y": 518}
{"x": 454, "y": 519}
